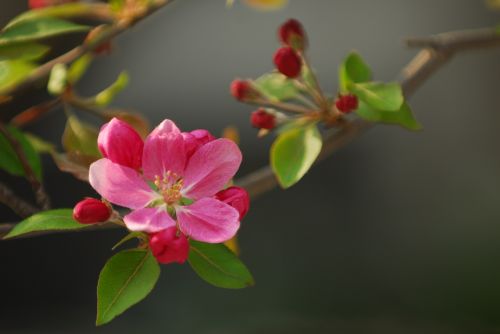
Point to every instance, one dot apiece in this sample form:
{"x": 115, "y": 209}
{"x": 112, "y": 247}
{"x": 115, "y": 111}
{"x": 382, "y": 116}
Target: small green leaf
{"x": 9, "y": 161}
{"x": 39, "y": 145}
{"x": 294, "y": 152}
{"x": 403, "y": 117}
{"x": 58, "y": 79}
{"x": 130, "y": 236}
{"x": 117, "y": 5}
{"x": 378, "y": 95}
{"x": 52, "y": 220}
{"x": 126, "y": 279}
{"x": 105, "y": 97}
{"x": 80, "y": 138}
{"x": 308, "y": 77}
{"x": 23, "y": 51}
{"x": 63, "y": 11}
{"x": 79, "y": 67}
{"x": 276, "y": 87}
{"x": 13, "y": 71}
{"x": 219, "y": 266}
{"x": 34, "y": 30}
{"x": 353, "y": 70}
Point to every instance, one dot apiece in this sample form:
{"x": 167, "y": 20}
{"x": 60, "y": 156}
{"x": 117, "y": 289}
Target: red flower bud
{"x": 243, "y": 90}
{"x": 91, "y": 211}
{"x": 292, "y": 34}
{"x": 237, "y": 197}
{"x": 347, "y": 103}
{"x": 33, "y": 4}
{"x": 261, "y": 119}
{"x": 288, "y": 62}
{"x": 169, "y": 246}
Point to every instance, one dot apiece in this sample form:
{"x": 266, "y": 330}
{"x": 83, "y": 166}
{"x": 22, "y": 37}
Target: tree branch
{"x": 17, "y": 204}
{"x": 42, "y": 72}
{"x": 438, "y": 50}
{"x": 41, "y": 196}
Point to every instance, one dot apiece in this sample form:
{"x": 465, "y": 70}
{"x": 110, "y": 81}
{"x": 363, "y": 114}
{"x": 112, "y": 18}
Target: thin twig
{"x": 41, "y": 196}
{"x": 293, "y": 108}
{"x": 420, "y": 68}
{"x": 17, "y": 204}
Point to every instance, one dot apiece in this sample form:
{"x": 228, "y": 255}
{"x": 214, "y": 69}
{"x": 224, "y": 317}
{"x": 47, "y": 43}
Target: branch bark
{"x": 42, "y": 199}
{"x": 17, "y": 204}
{"x": 438, "y": 50}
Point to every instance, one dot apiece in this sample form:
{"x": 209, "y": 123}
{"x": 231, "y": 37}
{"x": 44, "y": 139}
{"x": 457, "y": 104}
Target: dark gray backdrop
{"x": 397, "y": 233}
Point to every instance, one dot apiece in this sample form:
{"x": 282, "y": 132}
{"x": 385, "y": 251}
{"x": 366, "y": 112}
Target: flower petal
{"x": 119, "y": 184}
{"x": 148, "y": 220}
{"x": 210, "y": 168}
{"x": 120, "y": 143}
{"x": 164, "y": 150}
{"x": 208, "y": 220}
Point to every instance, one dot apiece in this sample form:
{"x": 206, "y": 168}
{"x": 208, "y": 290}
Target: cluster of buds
{"x": 291, "y": 62}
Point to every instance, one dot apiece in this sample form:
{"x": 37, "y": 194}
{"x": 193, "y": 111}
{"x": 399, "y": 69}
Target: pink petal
{"x": 164, "y": 151}
{"x": 149, "y": 220}
{"x": 167, "y": 126}
{"x": 196, "y": 138}
{"x": 210, "y": 168}
{"x": 208, "y": 220}
{"x": 120, "y": 143}
{"x": 120, "y": 185}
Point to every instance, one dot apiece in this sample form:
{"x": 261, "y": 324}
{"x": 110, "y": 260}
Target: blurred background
{"x": 397, "y": 233}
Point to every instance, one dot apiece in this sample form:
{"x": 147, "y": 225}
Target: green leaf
{"x": 353, "y": 70}
{"x": 294, "y": 152}
{"x": 117, "y": 5}
{"x": 58, "y": 79}
{"x": 276, "y": 87}
{"x": 64, "y": 11}
{"x": 403, "y": 117}
{"x": 9, "y": 161}
{"x": 130, "y": 236}
{"x": 80, "y": 138}
{"x": 52, "y": 220}
{"x": 34, "y": 30}
{"x": 219, "y": 266}
{"x": 105, "y": 97}
{"x": 127, "y": 278}
{"x": 79, "y": 67}
{"x": 13, "y": 71}
{"x": 23, "y": 51}
{"x": 39, "y": 145}
{"x": 378, "y": 95}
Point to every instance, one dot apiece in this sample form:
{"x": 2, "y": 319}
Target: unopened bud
{"x": 288, "y": 62}
{"x": 91, "y": 211}
{"x": 169, "y": 245}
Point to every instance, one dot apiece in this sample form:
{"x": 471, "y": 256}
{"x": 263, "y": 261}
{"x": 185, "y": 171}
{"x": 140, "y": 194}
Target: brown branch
{"x": 41, "y": 196}
{"x": 438, "y": 50}
{"x": 17, "y": 204}
{"x": 112, "y": 31}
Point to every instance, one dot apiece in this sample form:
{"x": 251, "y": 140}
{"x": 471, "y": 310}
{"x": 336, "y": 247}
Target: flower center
{"x": 169, "y": 187}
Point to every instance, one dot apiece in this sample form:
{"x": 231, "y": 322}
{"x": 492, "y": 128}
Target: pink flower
{"x": 176, "y": 181}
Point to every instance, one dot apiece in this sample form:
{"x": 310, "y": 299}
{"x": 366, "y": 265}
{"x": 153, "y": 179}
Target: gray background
{"x": 397, "y": 233}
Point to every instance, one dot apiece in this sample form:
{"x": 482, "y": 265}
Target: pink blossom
{"x": 237, "y": 197}
{"x": 175, "y": 184}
